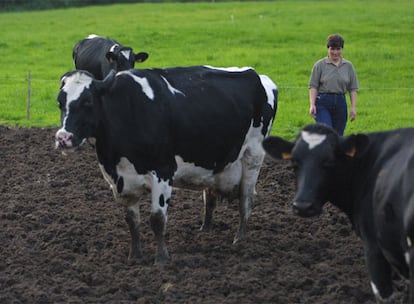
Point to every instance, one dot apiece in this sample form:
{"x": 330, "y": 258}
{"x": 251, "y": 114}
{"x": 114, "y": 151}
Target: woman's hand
{"x": 312, "y": 111}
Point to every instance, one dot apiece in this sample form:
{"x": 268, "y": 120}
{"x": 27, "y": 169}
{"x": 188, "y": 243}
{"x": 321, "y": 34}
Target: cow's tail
{"x": 269, "y": 108}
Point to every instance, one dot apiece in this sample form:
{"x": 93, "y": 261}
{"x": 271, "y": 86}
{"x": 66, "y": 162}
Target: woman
{"x": 331, "y": 78}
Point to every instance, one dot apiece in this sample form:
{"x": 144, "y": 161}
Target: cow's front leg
{"x": 209, "y": 202}
{"x": 380, "y": 273}
{"x": 132, "y": 217}
{"x": 160, "y": 199}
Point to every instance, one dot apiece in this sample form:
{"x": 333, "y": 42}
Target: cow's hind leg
{"x": 251, "y": 163}
{"x": 132, "y": 217}
{"x": 209, "y": 201}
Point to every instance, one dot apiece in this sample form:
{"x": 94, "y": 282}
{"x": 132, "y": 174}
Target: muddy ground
{"x": 63, "y": 239}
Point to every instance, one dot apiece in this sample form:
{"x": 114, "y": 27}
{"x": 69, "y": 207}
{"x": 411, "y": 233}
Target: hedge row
{"x": 20, "y": 5}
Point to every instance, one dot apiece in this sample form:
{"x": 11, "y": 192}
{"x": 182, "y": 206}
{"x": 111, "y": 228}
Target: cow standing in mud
{"x": 370, "y": 177}
{"x": 199, "y": 128}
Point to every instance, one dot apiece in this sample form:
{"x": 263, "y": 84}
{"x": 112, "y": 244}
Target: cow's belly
{"x": 189, "y": 176}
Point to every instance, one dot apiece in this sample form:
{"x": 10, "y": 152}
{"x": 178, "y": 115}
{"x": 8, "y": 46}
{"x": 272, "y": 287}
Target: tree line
{"x": 20, "y": 5}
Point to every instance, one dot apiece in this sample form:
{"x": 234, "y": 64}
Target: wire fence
{"x": 25, "y": 79}
{"x": 27, "y": 82}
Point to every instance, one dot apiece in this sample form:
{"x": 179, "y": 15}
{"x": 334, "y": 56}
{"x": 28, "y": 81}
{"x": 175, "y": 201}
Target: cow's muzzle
{"x": 306, "y": 209}
{"x": 63, "y": 139}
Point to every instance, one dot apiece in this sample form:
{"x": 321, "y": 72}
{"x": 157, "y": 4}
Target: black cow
{"x": 191, "y": 127}
{"x": 99, "y": 55}
{"x": 370, "y": 177}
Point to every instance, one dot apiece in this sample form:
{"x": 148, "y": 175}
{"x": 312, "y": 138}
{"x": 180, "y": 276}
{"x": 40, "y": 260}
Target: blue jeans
{"x": 332, "y": 110}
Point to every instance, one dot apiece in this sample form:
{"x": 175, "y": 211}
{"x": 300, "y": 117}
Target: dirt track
{"x": 64, "y": 240}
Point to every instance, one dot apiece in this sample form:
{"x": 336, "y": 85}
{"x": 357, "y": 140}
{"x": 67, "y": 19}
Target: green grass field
{"x": 282, "y": 39}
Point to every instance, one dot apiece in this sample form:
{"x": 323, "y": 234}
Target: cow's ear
{"x": 277, "y": 147}
{"x": 104, "y": 85}
{"x": 111, "y": 57}
{"x": 354, "y": 145}
{"x": 141, "y": 57}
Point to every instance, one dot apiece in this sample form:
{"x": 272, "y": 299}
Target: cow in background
{"x": 99, "y": 55}
{"x": 370, "y": 177}
{"x": 189, "y": 127}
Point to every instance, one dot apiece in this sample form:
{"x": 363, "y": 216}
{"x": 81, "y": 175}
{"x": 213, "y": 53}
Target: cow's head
{"x": 79, "y": 99}
{"x": 123, "y": 58}
{"x": 316, "y": 155}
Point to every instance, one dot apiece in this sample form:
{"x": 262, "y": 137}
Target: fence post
{"x": 29, "y": 89}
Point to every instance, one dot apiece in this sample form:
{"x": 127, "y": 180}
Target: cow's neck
{"x": 105, "y": 149}
{"x": 347, "y": 188}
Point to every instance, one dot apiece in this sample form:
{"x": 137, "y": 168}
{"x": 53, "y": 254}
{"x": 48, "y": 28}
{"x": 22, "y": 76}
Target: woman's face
{"x": 335, "y": 53}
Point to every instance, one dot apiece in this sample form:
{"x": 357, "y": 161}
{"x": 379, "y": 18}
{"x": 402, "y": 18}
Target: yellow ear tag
{"x": 351, "y": 153}
{"x": 286, "y": 155}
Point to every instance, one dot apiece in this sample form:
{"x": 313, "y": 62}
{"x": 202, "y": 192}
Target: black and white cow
{"x": 370, "y": 177}
{"x": 188, "y": 127}
{"x": 99, "y": 55}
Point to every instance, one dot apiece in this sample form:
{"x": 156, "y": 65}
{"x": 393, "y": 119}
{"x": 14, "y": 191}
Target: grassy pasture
{"x": 282, "y": 39}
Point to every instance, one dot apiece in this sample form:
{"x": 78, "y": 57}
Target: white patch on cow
{"x": 112, "y": 49}
{"x": 269, "y": 87}
{"x": 171, "y": 88}
{"x": 407, "y": 257}
{"x": 134, "y": 183}
{"x": 374, "y": 289}
{"x": 160, "y": 187}
{"x": 142, "y": 81}
{"x": 378, "y": 296}
{"x": 313, "y": 139}
{"x": 407, "y": 253}
{"x": 74, "y": 85}
{"x": 230, "y": 69}
{"x": 191, "y": 176}
{"x": 126, "y": 54}
{"x": 92, "y": 36}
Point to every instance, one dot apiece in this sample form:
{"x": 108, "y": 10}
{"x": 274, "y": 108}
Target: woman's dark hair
{"x": 335, "y": 40}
